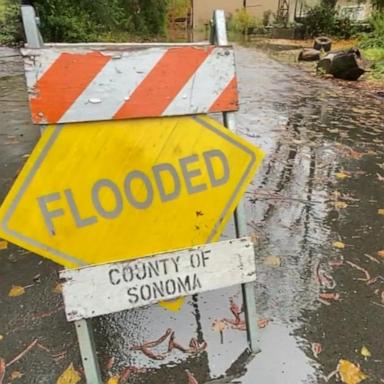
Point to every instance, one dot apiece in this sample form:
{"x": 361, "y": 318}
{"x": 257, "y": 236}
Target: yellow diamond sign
{"x": 100, "y": 192}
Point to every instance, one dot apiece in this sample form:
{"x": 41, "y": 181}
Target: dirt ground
{"x": 288, "y": 51}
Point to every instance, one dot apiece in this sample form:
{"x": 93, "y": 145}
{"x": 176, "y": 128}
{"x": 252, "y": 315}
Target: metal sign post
{"x": 83, "y": 327}
{"x": 219, "y": 37}
{"x": 31, "y": 29}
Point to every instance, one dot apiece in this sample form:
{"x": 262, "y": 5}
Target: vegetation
{"x": 378, "y": 5}
{"x": 374, "y": 39}
{"x": 178, "y": 8}
{"x": 2, "y": 9}
{"x": 89, "y": 20}
{"x": 322, "y": 19}
{"x": 10, "y": 28}
{"x": 242, "y": 21}
{"x": 376, "y": 56}
{"x": 373, "y": 44}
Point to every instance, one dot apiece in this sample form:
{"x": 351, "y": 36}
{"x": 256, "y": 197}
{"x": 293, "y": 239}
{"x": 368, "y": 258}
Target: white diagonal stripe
{"x": 115, "y": 83}
{"x": 35, "y": 67}
{"x": 206, "y": 85}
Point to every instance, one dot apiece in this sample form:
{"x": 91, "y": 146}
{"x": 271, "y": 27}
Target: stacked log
{"x": 322, "y": 43}
{"x": 347, "y": 65}
{"x": 309, "y": 54}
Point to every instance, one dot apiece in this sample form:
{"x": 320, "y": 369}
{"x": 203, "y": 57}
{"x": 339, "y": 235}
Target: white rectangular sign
{"x": 107, "y": 288}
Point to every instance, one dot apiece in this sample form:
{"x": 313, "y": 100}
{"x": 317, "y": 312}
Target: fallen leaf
{"x": 350, "y": 373}
{"x": 340, "y": 204}
{"x": 219, "y": 325}
{"x": 316, "y": 349}
{"x": 262, "y": 323}
{"x": 69, "y": 376}
{"x": 356, "y": 155}
{"x": 1, "y": 337}
{"x": 16, "y": 290}
{"x": 335, "y": 195}
{"x": 381, "y": 211}
{"x": 379, "y": 177}
{"x": 272, "y": 261}
{"x": 335, "y": 263}
{"x": 173, "y": 305}
{"x": 380, "y": 253}
{"x": 365, "y": 352}
{"x": 110, "y": 363}
{"x": 338, "y": 244}
{"x": 127, "y": 372}
{"x": 113, "y": 380}
{"x": 329, "y": 296}
{"x": 2, "y": 369}
{"x": 191, "y": 378}
{"x": 3, "y": 244}
{"x": 341, "y": 175}
{"x": 15, "y": 375}
{"x": 58, "y": 288}
{"x": 255, "y": 238}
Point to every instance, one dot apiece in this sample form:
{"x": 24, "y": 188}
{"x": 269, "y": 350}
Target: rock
{"x": 309, "y": 54}
{"x": 347, "y": 65}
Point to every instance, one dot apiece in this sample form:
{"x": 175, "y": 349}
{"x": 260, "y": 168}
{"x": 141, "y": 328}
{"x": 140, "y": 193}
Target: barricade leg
{"x": 219, "y": 37}
{"x": 88, "y": 351}
{"x": 31, "y": 28}
{"x": 83, "y": 327}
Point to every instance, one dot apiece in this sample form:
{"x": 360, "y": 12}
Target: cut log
{"x": 322, "y": 42}
{"x": 347, "y": 65}
{"x": 309, "y": 54}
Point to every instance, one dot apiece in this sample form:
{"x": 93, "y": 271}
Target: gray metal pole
{"x": 83, "y": 327}
{"x": 88, "y": 351}
{"x": 31, "y": 28}
{"x": 219, "y": 34}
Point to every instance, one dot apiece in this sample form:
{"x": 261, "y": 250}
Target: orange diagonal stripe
{"x": 164, "y": 82}
{"x": 228, "y": 100}
{"x": 63, "y": 83}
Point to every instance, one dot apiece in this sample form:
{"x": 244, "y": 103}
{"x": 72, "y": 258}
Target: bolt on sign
{"x": 106, "y": 191}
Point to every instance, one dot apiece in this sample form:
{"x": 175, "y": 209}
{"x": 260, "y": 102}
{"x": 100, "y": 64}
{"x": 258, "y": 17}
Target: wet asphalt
{"x": 313, "y": 212}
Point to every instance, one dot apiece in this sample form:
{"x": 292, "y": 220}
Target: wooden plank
{"x": 107, "y": 288}
{"x": 80, "y": 84}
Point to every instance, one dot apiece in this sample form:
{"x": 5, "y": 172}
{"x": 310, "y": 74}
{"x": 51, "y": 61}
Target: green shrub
{"x": 242, "y": 21}
{"x": 374, "y": 39}
{"x": 322, "y": 19}
{"x": 10, "y": 23}
{"x": 376, "y": 57}
{"x": 88, "y": 20}
{"x": 179, "y": 8}
{"x": 344, "y": 28}
{"x": 267, "y": 17}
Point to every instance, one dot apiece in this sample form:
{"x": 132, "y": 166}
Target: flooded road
{"x": 315, "y": 212}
